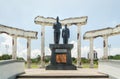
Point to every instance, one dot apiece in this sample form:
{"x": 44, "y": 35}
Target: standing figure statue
{"x": 65, "y": 35}
{"x": 57, "y": 26}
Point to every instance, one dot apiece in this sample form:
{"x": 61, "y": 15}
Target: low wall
{"x": 10, "y": 68}
{"x": 110, "y": 67}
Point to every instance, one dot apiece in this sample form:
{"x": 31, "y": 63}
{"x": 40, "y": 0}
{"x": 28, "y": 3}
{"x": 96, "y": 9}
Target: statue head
{"x": 65, "y": 25}
{"x": 57, "y": 19}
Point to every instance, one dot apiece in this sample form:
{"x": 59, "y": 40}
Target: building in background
{"x": 95, "y": 55}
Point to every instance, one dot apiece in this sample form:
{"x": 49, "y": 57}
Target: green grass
{"x": 88, "y": 65}
{"x": 33, "y": 65}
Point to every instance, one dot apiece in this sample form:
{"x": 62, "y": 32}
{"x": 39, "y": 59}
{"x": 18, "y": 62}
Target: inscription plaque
{"x": 60, "y": 58}
{"x": 60, "y": 50}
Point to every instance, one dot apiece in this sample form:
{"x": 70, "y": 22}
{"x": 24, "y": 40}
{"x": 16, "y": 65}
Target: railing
{"x": 110, "y": 67}
{"x": 9, "y": 69}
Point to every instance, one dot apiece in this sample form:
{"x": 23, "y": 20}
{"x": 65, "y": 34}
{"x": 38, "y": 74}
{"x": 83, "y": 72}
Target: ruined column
{"x": 78, "y": 46}
{"x": 14, "y": 47}
{"x": 42, "y": 46}
{"x": 105, "y": 46}
{"x": 28, "y": 53}
{"x": 91, "y": 53}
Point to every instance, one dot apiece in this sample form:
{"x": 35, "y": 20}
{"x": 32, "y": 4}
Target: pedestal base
{"x": 61, "y": 67}
{"x": 61, "y": 57}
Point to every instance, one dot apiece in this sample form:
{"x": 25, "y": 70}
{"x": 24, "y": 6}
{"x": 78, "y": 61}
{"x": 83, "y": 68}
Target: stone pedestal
{"x": 61, "y": 57}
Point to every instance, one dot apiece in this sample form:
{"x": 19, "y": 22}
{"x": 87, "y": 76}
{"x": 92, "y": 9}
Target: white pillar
{"x": 14, "y": 47}
{"x": 28, "y": 53}
{"x": 42, "y": 46}
{"x": 91, "y": 53}
{"x": 78, "y": 46}
{"x": 105, "y": 46}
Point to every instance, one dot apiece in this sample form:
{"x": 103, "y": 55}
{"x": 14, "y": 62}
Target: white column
{"x": 78, "y": 46}
{"x": 14, "y": 47}
{"x": 28, "y": 53}
{"x": 91, "y": 53}
{"x": 42, "y": 46}
{"x": 105, "y": 46}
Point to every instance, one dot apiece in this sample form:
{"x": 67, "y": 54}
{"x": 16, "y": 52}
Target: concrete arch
{"x": 49, "y": 21}
{"x": 104, "y": 33}
{"x": 15, "y": 33}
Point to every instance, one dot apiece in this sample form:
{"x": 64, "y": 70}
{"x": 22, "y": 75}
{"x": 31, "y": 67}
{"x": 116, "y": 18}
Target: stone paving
{"x": 80, "y": 73}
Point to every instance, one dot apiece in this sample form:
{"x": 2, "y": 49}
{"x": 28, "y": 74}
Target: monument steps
{"x": 62, "y": 77}
{"x": 80, "y": 73}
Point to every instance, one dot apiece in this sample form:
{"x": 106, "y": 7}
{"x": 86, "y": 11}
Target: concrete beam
{"x": 102, "y": 32}
{"x": 91, "y": 52}
{"x": 105, "y": 46}
{"x": 14, "y": 47}
{"x": 18, "y": 32}
{"x": 42, "y": 47}
{"x": 28, "y": 53}
{"x": 79, "y": 47}
{"x": 98, "y": 33}
{"x": 49, "y": 21}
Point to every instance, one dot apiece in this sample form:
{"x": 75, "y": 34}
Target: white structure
{"x": 105, "y": 33}
{"x": 15, "y": 33}
{"x": 49, "y": 21}
{"x": 110, "y": 67}
{"x": 9, "y": 69}
{"x": 94, "y": 55}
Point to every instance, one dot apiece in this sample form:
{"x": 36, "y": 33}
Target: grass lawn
{"x": 88, "y": 65}
{"x": 33, "y": 65}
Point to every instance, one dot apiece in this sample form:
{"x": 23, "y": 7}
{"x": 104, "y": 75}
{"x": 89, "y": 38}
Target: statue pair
{"x": 65, "y": 32}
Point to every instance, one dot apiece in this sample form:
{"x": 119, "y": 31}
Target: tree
{"x": 6, "y": 57}
{"x": 116, "y": 57}
{"x": 20, "y": 58}
{"x": 74, "y": 60}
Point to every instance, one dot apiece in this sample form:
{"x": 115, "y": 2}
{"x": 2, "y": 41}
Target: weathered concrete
{"x": 17, "y": 32}
{"x": 62, "y": 74}
{"x": 42, "y": 65}
{"x": 105, "y": 46}
{"x": 28, "y": 53}
{"x": 79, "y": 46}
{"x": 102, "y": 32}
{"x": 14, "y": 47}
{"x": 9, "y": 69}
{"x": 91, "y": 53}
{"x": 49, "y": 21}
{"x": 110, "y": 67}
{"x": 105, "y": 33}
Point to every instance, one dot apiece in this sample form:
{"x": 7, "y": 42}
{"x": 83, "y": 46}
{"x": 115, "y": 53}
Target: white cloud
{"x": 85, "y": 50}
{"x": 114, "y": 51}
{"x": 47, "y": 51}
{"x": 22, "y": 51}
{"x": 34, "y": 53}
{"x": 99, "y": 51}
{"x": 6, "y": 45}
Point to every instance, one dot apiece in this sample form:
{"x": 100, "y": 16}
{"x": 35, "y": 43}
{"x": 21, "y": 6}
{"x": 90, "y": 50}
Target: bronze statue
{"x": 57, "y": 26}
{"x": 65, "y": 35}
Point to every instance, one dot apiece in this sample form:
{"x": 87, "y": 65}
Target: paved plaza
{"x": 79, "y": 73}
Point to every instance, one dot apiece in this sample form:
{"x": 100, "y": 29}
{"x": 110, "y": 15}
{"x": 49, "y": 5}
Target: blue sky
{"x": 21, "y": 14}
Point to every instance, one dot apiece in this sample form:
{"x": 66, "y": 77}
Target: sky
{"x": 21, "y": 14}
